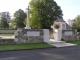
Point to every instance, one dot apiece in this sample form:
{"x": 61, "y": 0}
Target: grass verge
{"x": 24, "y": 46}
{"x": 74, "y": 42}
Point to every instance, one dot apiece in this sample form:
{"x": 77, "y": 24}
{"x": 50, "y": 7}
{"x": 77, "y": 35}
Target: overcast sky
{"x": 71, "y": 8}
{"x": 13, "y": 5}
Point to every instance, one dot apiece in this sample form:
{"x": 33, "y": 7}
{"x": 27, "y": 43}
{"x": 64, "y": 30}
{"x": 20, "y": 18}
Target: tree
{"x": 19, "y": 17}
{"x": 3, "y": 22}
{"x": 43, "y": 13}
{"x": 5, "y": 15}
{"x": 76, "y": 24}
{"x": 13, "y": 24}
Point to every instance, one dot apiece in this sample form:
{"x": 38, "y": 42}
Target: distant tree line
{"x": 18, "y": 20}
{"x": 76, "y": 24}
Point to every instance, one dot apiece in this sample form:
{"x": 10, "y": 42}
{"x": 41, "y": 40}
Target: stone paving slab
{"x": 60, "y": 43}
{"x": 63, "y": 44}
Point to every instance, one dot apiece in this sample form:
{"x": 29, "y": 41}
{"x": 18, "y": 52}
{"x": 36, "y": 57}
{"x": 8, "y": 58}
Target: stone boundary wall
{"x": 7, "y": 36}
{"x": 26, "y": 36}
{"x": 31, "y": 35}
{"x": 69, "y": 35}
{"x": 7, "y": 41}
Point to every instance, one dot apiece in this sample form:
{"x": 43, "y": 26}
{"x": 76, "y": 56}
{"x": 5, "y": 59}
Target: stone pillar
{"x": 58, "y": 35}
{"x": 46, "y": 35}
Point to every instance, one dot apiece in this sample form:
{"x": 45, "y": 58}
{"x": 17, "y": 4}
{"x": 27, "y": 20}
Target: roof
{"x": 60, "y": 20}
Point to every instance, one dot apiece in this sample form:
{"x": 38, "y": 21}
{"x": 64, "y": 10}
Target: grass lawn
{"x": 74, "y": 42}
{"x": 23, "y": 46}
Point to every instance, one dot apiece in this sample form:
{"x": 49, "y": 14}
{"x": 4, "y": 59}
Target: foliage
{"x": 3, "y": 22}
{"x": 43, "y": 13}
{"x": 19, "y": 19}
{"x": 13, "y": 24}
{"x": 76, "y": 24}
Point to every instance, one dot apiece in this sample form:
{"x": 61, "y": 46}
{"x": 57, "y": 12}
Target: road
{"x": 67, "y": 53}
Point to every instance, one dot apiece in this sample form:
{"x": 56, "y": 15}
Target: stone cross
{"x": 28, "y": 16}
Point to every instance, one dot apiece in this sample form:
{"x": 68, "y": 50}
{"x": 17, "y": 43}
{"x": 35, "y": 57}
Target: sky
{"x": 70, "y": 8}
{"x": 13, "y": 5}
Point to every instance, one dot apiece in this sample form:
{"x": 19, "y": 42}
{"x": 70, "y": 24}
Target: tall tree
{"x": 13, "y": 24}
{"x": 43, "y": 13}
{"x": 19, "y": 17}
{"x": 3, "y": 22}
{"x": 76, "y": 24}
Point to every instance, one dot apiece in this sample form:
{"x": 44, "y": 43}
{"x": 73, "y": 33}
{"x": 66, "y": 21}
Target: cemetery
{"x": 34, "y": 26}
{"x": 33, "y": 36}
{"x": 22, "y": 39}
{"x": 60, "y": 34}
{"x": 39, "y": 30}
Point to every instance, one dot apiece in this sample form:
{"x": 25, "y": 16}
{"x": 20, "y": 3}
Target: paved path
{"x": 60, "y": 43}
{"x": 67, "y": 53}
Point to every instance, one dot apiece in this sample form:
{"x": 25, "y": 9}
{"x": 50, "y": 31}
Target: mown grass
{"x": 24, "y": 46}
{"x": 74, "y": 42}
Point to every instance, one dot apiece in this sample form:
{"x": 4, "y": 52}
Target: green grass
{"x": 23, "y": 46}
{"x": 74, "y": 42}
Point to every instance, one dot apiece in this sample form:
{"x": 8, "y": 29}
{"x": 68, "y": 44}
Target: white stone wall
{"x": 33, "y": 33}
{"x": 32, "y": 36}
{"x": 68, "y": 33}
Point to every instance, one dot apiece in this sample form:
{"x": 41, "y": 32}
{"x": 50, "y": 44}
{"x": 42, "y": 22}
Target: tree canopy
{"x": 19, "y": 17}
{"x": 3, "y": 22}
{"x": 43, "y": 13}
{"x": 76, "y": 24}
